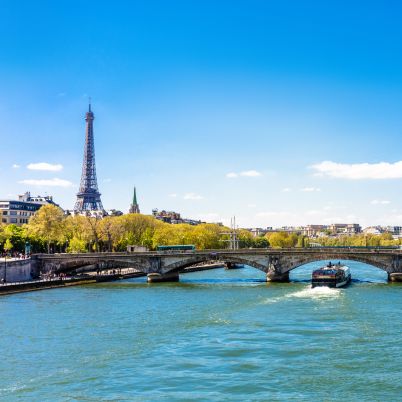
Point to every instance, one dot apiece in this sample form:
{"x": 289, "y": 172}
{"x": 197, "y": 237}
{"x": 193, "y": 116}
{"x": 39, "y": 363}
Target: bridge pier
{"x": 168, "y": 277}
{"x": 273, "y": 276}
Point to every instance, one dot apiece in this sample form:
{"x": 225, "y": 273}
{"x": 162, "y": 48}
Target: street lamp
{"x": 5, "y": 268}
{"x": 27, "y": 248}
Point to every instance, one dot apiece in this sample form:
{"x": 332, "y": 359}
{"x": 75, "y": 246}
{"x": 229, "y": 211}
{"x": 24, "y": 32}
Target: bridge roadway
{"x": 166, "y": 266}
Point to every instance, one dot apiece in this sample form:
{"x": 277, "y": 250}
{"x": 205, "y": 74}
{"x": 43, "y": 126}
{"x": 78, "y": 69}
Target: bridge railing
{"x": 312, "y": 250}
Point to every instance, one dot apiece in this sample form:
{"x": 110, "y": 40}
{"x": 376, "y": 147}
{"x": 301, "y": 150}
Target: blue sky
{"x": 210, "y": 108}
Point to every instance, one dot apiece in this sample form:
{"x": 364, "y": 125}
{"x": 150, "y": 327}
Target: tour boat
{"x": 332, "y": 276}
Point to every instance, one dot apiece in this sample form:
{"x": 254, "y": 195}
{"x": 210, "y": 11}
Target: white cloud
{"x": 348, "y": 218}
{"x": 286, "y": 190}
{"x": 45, "y": 166}
{"x": 273, "y": 214}
{"x": 210, "y": 217}
{"x": 173, "y": 195}
{"x": 315, "y": 212}
{"x": 358, "y": 171}
{"x": 245, "y": 173}
{"x": 47, "y": 182}
{"x": 15, "y": 166}
{"x": 251, "y": 205}
{"x": 380, "y": 202}
{"x": 193, "y": 196}
{"x": 250, "y": 173}
{"x": 310, "y": 189}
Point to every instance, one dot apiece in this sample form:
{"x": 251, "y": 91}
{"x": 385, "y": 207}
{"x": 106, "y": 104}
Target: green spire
{"x": 134, "y": 207}
{"x": 135, "y": 197}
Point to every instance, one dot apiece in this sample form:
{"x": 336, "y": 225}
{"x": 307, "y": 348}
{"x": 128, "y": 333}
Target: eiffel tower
{"x": 88, "y": 197}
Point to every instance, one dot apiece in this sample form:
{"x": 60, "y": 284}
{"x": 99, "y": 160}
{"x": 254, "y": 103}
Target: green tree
{"x": 94, "y": 231}
{"x": 2, "y": 233}
{"x": 77, "y": 246}
{"x": 261, "y": 242}
{"x": 106, "y": 231}
{"x": 282, "y": 239}
{"x": 246, "y": 239}
{"x": 48, "y": 225}
{"x": 136, "y": 229}
{"x": 8, "y": 246}
{"x": 208, "y": 236}
{"x": 301, "y": 241}
{"x": 17, "y": 236}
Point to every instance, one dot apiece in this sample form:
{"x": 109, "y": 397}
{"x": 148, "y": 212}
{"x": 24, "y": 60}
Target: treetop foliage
{"x": 49, "y": 230}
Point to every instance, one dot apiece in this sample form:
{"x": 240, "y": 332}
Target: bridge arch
{"x": 384, "y": 264}
{"x": 81, "y": 264}
{"x": 193, "y": 260}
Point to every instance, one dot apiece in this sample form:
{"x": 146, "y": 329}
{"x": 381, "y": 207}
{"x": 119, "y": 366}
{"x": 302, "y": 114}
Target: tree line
{"x": 50, "y": 230}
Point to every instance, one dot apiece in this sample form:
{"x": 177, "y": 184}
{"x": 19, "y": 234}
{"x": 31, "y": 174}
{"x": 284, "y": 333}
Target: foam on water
{"x": 320, "y": 292}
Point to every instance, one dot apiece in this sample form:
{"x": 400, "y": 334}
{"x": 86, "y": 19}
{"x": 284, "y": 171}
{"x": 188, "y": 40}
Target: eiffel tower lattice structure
{"x": 88, "y": 197}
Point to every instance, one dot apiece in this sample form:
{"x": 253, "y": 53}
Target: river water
{"x": 216, "y": 335}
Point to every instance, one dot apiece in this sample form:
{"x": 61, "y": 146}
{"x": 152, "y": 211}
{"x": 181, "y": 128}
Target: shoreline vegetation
{"x": 49, "y": 230}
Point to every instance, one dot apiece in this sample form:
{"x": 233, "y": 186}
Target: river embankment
{"x": 24, "y": 283}
{"x": 204, "y": 267}
{"x": 52, "y": 283}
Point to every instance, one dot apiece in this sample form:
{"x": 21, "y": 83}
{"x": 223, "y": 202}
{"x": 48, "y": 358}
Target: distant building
{"x": 374, "y": 230}
{"x": 134, "y": 207}
{"x": 114, "y": 212}
{"x": 167, "y": 216}
{"x": 314, "y": 230}
{"x": 19, "y": 211}
{"x": 173, "y": 218}
{"x": 394, "y": 230}
{"x": 137, "y": 249}
{"x": 257, "y": 232}
{"x": 291, "y": 230}
{"x": 345, "y": 228}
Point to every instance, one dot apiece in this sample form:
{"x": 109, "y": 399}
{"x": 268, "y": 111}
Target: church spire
{"x": 135, "y": 197}
{"x": 134, "y": 207}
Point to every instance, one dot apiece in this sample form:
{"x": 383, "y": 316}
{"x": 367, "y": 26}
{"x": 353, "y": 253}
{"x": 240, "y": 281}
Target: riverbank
{"x": 43, "y": 284}
{"x": 204, "y": 267}
{"x": 29, "y": 286}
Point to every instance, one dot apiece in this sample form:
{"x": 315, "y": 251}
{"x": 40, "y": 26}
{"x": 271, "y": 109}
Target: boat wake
{"x": 321, "y": 292}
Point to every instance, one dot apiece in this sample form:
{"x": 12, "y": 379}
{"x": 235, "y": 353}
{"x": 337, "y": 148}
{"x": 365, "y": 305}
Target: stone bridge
{"x": 166, "y": 266}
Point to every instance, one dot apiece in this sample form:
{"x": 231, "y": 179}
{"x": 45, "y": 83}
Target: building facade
{"x": 19, "y": 211}
{"x": 345, "y": 228}
{"x": 173, "y": 218}
{"x": 314, "y": 230}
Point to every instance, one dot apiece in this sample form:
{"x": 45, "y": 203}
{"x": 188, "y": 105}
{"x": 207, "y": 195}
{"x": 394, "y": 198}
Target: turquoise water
{"x": 216, "y": 335}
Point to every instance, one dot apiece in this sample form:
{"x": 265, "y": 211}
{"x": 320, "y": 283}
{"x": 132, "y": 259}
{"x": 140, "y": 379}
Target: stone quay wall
{"x": 19, "y": 270}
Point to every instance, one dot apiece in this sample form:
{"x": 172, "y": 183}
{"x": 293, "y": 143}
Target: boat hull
{"x": 331, "y": 283}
